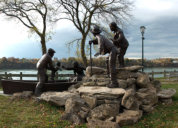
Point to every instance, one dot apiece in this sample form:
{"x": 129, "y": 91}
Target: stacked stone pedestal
{"x": 91, "y": 102}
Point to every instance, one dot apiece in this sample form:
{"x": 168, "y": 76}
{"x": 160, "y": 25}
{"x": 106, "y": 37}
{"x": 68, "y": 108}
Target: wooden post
{"x": 6, "y": 76}
{"x": 10, "y": 76}
{"x": 20, "y": 75}
{"x": 57, "y": 75}
{"x": 164, "y": 73}
{"x": 37, "y": 77}
{"x": 152, "y": 74}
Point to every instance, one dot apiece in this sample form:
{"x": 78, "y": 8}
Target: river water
{"x": 29, "y": 71}
{"x": 32, "y": 71}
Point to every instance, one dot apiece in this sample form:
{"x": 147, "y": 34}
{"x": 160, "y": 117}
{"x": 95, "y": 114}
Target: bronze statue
{"x": 58, "y": 67}
{"x": 43, "y": 64}
{"x": 106, "y": 46}
{"x": 78, "y": 70}
{"x": 120, "y": 42}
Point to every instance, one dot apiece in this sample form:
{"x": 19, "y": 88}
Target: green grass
{"x": 29, "y": 114}
{"x": 0, "y": 86}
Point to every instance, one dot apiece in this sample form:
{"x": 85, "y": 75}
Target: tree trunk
{"x": 83, "y": 50}
{"x": 43, "y": 45}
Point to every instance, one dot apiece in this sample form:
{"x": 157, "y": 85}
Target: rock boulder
{"x": 105, "y": 91}
{"x": 147, "y": 96}
{"x": 166, "y": 93}
{"x": 57, "y": 98}
{"x": 129, "y": 100}
{"x": 143, "y": 81}
{"x": 95, "y": 71}
{"x": 128, "y": 117}
{"x": 95, "y": 123}
{"x": 105, "y": 111}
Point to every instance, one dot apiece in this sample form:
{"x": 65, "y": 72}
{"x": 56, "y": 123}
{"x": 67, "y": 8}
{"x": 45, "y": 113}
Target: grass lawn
{"x": 0, "y": 86}
{"x": 29, "y": 114}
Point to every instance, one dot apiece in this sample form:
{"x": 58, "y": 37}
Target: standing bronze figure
{"x": 43, "y": 64}
{"x": 120, "y": 42}
{"x": 106, "y": 46}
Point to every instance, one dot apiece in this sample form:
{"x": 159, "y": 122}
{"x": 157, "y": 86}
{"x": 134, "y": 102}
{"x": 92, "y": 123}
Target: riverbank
{"x": 31, "y": 71}
{"x": 25, "y": 63}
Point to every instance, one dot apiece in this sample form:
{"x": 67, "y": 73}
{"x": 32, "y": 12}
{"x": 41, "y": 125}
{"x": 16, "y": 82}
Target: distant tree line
{"x": 16, "y": 63}
{"x": 101, "y": 62}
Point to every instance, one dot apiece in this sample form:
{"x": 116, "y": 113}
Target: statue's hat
{"x": 50, "y": 50}
{"x": 96, "y": 30}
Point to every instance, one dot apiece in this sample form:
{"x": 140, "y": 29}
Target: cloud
{"x": 160, "y": 18}
{"x": 148, "y": 10}
{"x": 161, "y": 38}
{"x": 160, "y": 41}
{"x": 16, "y": 42}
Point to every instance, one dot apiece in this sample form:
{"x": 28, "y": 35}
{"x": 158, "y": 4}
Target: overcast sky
{"x": 160, "y": 17}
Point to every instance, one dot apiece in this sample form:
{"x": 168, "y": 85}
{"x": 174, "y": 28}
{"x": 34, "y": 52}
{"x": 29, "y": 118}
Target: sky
{"x": 160, "y": 17}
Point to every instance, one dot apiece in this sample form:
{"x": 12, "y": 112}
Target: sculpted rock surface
{"x": 95, "y": 71}
{"x": 57, "y": 98}
{"x": 95, "y": 123}
{"x": 147, "y": 108}
{"x": 122, "y": 84}
{"x": 143, "y": 81}
{"x": 131, "y": 81}
{"x": 166, "y": 93}
{"x": 134, "y": 68}
{"x": 91, "y": 100}
{"x": 23, "y": 95}
{"x": 147, "y": 96}
{"x": 105, "y": 111}
{"x": 73, "y": 105}
{"x": 121, "y": 74}
{"x": 102, "y": 91}
{"x": 128, "y": 117}
{"x": 156, "y": 84}
{"x": 129, "y": 101}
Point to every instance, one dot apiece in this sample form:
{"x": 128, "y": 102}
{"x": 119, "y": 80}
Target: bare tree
{"x": 34, "y": 14}
{"x": 84, "y": 13}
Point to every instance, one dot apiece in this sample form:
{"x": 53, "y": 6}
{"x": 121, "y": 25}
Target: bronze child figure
{"x": 77, "y": 69}
{"x": 106, "y": 46}
{"x": 53, "y": 72}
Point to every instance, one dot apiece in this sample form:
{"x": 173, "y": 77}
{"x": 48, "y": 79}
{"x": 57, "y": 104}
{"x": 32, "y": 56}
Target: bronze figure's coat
{"x": 43, "y": 64}
{"x": 106, "y": 46}
{"x": 120, "y": 42}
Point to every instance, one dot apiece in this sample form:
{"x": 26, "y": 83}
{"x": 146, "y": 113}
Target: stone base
{"x": 93, "y": 101}
{"x": 128, "y": 117}
{"x": 166, "y": 101}
{"x": 95, "y": 123}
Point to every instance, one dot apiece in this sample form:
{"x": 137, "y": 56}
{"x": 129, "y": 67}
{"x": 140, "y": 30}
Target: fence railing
{"x": 21, "y": 75}
{"x": 165, "y": 74}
